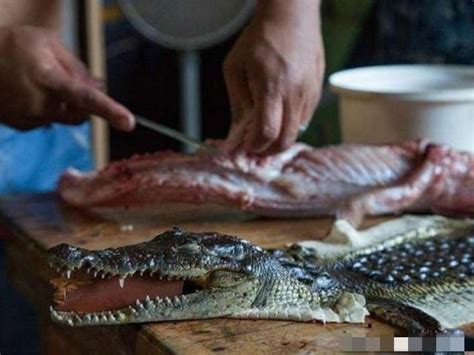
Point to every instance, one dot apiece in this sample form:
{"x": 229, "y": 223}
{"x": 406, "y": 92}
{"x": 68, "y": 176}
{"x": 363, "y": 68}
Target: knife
{"x": 172, "y": 133}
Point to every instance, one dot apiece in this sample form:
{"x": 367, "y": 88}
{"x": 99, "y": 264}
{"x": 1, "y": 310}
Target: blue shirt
{"x": 32, "y": 161}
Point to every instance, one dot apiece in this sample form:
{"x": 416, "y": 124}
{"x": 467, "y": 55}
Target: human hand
{"x": 42, "y": 82}
{"x": 274, "y": 75}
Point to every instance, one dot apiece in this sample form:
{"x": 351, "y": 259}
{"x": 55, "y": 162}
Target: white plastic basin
{"x": 399, "y": 102}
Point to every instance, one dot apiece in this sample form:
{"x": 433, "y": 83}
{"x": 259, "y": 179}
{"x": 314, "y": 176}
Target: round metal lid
{"x": 187, "y": 24}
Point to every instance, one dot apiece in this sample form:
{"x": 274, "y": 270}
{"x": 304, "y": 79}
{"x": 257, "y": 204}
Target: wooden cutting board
{"x": 34, "y": 223}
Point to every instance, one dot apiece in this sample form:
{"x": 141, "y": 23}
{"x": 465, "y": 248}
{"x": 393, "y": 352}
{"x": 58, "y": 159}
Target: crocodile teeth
{"x": 68, "y": 274}
{"x": 53, "y": 311}
{"x": 122, "y": 282}
{"x": 147, "y": 298}
{"x": 150, "y": 306}
{"x": 95, "y": 273}
{"x": 121, "y": 315}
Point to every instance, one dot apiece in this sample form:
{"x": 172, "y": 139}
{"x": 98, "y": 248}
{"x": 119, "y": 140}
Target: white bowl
{"x": 399, "y": 102}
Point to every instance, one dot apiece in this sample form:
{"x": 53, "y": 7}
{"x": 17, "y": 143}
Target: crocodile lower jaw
{"x": 350, "y": 308}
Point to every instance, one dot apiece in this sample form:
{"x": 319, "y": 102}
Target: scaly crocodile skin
{"x": 421, "y": 280}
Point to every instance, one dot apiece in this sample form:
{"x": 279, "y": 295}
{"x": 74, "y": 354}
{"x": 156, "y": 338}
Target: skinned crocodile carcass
{"x": 420, "y": 277}
{"x": 348, "y": 181}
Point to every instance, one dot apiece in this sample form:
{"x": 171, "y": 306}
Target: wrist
{"x": 296, "y": 12}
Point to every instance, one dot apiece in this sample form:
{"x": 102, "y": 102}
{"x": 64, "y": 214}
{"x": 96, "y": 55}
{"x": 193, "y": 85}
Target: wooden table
{"x": 38, "y": 222}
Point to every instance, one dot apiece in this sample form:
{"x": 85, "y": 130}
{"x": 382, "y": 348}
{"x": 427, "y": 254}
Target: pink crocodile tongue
{"x": 95, "y": 295}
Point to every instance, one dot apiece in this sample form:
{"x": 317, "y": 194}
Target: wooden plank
{"x": 247, "y": 336}
{"x": 37, "y": 222}
{"x": 95, "y": 55}
{"x": 44, "y": 220}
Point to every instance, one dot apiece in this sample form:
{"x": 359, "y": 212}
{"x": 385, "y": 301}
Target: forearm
{"x": 44, "y": 13}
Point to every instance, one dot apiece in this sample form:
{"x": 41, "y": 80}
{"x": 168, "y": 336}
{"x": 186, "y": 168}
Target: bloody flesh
{"x": 88, "y": 295}
{"x": 348, "y": 181}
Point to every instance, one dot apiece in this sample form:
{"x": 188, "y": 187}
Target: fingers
{"x": 86, "y": 98}
{"x": 235, "y": 77}
{"x": 312, "y": 100}
{"x": 82, "y": 93}
{"x": 289, "y": 130}
{"x": 273, "y": 122}
{"x": 73, "y": 66}
{"x": 299, "y": 103}
{"x": 265, "y": 119}
{"x": 291, "y": 123}
{"x": 67, "y": 114}
{"x": 307, "y": 114}
{"x": 266, "y": 125}
{"x": 240, "y": 103}
{"x": 297, "y": 115}
{"x": 278, "y": 121}
{"x": 95, "y": 102}
{"x": 236, "y": 135}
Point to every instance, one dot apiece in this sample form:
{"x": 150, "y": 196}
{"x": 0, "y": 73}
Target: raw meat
{"x": 349, "y": 181}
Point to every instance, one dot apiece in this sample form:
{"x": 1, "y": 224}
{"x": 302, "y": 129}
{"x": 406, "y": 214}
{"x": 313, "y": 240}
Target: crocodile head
{"x": 192, "y": 276}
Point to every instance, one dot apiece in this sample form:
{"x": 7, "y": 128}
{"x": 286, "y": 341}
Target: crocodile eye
{"x": 189, "y": 248}
{"x": 235, "y": 251}
{"x": 222, "y": 278}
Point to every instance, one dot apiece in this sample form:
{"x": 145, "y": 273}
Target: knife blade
{"x": 172, "y": 133}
